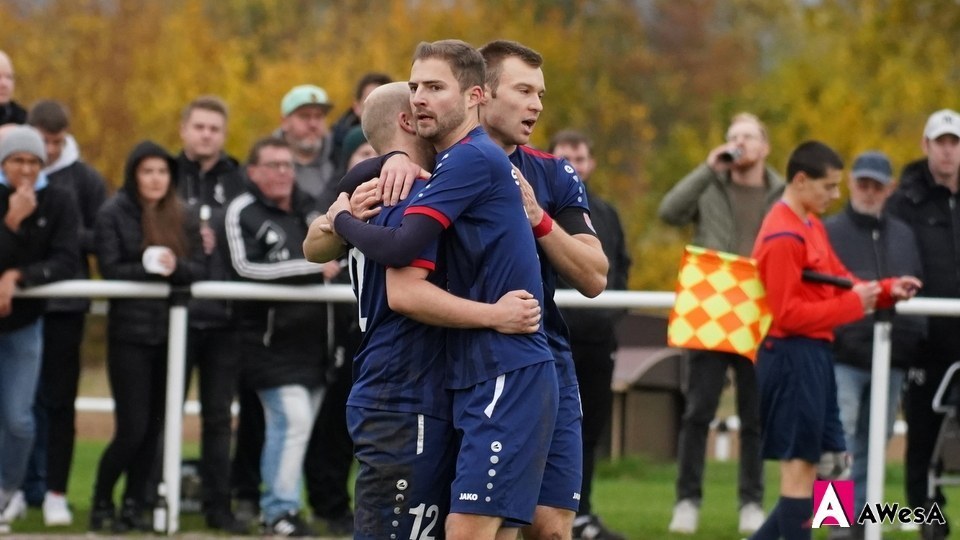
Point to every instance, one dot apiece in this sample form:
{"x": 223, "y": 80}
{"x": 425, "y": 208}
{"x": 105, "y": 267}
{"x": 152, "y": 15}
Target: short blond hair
{"x": 750, "y": 117}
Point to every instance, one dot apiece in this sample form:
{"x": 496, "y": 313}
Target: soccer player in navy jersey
{"x": 504, "y": 387}
{"x": 567, "y": 245}
{"x": 399, "y": 411}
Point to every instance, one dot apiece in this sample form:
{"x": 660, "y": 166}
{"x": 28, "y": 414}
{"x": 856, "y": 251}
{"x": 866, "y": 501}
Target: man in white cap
{"x": 304, "y": 127}
{"x": 38, "y": 244}
{"x": 927, "y": 200}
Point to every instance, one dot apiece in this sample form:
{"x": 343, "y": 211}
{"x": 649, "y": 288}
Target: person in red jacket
{"x": 798, "y": 393}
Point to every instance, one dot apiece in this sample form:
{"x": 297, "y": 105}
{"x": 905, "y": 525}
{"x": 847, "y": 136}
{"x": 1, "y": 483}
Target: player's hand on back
{"x": 396, "y": 178}
{"x": 516, "y": 312}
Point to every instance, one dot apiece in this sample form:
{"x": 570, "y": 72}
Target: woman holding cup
{"x": 142, "y": 234}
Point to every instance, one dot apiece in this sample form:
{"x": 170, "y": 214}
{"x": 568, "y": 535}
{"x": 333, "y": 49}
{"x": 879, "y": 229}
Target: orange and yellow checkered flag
{"x": 721, "y": 304}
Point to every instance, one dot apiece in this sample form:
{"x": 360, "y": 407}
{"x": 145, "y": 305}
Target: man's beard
{"x": 312, "y": 145}
{"x": 443, "y": 125}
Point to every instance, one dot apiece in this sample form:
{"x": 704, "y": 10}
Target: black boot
{"x": 103, "y": 517}
{"x": 133, "y": 517}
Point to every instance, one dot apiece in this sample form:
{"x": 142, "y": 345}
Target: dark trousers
{"x": 49, "y": 467}
{"x": 707, "y": 374}
{"x": 326, "y": 467}
{"x": 245, "y": 469}
{"x": 138, "y": 377}
{"x": 594, "y": 363}
{"x": 215, "y": 354}
{"x": 923, "y": 427}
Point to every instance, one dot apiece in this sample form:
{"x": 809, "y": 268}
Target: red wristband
{"x": 544, "y": 227}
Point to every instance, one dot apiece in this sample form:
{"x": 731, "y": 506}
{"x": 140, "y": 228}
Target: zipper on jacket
{"x": 268, "y": 334}
{"x": 878, "y": 253}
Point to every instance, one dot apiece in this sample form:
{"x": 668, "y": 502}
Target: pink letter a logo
{"x": 832, "y": 503}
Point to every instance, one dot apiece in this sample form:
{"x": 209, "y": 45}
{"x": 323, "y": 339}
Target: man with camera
{"x": 725, "y": 199}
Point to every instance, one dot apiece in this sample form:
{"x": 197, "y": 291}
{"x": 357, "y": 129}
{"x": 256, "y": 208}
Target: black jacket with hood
{"x": 934, "y": 215}
{"x": 89, "y": 190}
{"x": 119, "y": 237}
{"x": 44, "y": 249}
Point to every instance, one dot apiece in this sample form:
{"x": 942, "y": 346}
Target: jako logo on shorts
{"x": 832, "y": 503}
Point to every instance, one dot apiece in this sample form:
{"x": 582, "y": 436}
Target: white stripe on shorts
{"x": 497, "y": 391}
{"x": 419, "y": 434}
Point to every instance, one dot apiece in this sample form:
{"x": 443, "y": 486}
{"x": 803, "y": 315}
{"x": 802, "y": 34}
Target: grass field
{"x": 633, "y": 496}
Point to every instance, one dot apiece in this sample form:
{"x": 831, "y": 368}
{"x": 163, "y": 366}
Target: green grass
{"x": 634, "y": 496}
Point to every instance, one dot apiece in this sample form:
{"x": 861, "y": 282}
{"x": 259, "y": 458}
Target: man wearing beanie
{"x": 38, "y": 244}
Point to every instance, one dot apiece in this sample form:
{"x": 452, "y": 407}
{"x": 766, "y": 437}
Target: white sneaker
{"x": 55, "y": 510}
{"x": 751, "y": 518}
{"x": 686, "y": 514}
{"x": 16, "y": 508}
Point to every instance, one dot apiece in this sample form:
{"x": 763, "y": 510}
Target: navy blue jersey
{"x": 399, "y": 365}
{"x": 558, "y": 188}
{"x": 489, "y": 250}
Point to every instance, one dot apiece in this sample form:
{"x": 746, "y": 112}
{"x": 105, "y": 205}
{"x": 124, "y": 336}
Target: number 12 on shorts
{"x": 426, "y": 517}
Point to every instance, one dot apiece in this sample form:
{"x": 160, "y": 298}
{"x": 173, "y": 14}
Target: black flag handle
{"x": 818, "y": 277}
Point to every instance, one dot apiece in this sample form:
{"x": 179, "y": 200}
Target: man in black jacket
{"x": 592, "y": 331}
{"x": 283, "y": 350}
{"x": 208, "y": 178}
{"x": 63, "y": 322}
{"x": 872, "y": 245}
{"x": 38, "y": 244}
{"x": 926, "y": 200}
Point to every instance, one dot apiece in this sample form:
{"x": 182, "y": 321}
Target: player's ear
{"x": 475, "y": 96}
{"x": 405, "y": 122}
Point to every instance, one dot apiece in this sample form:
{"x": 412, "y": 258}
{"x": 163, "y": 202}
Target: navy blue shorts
{"x": 507, "y": 426}
{"x": 563, "y": 475}
{"x": 407, "y": 462}
{"x": 798, "y": 399}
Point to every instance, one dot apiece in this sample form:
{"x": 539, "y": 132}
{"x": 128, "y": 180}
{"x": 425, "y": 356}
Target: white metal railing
{"x": 647, "y": 300}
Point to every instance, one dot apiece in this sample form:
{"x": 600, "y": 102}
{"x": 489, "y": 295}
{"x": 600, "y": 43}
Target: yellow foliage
{"x": 653, "y": 83}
